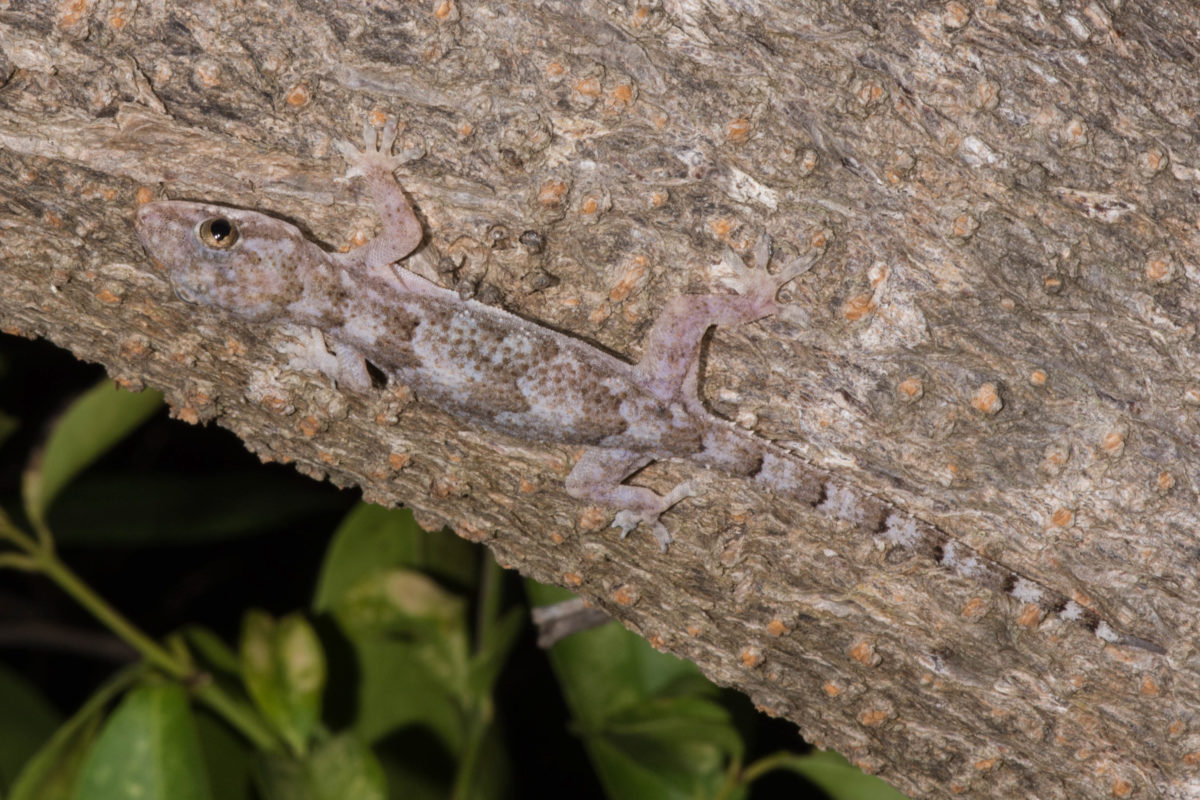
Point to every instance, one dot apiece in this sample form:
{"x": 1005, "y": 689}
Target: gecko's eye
{"x": 217, "y": 233}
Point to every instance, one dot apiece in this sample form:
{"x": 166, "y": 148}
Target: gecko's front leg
{"x": 669, "y": 366}
{"x": 376, "y": 165}
{"x": 342, "y": 364}
{"x": 599, "y": 476}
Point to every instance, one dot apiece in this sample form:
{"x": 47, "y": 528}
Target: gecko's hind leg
{"x": 598, "y": 477}
{"x": 673, "y": 344}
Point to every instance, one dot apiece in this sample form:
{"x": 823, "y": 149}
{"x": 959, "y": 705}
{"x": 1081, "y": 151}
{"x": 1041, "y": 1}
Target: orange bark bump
{"x": 910, "y": 389}
{"x": 864, "y": 653}
{"x": 624, "y": 596}
{"x": 1062, "y": 518}
{"x": 873, "y": 717}
{"x": 298, "y": 96}
{"x": 593, "y": 519}
{"x": 987, "y": 399}
{"x": 859, "y": 306}
{"x": 738, "y": 130}
{"x": 552, "y": 193}
{"x": 752, "y": 656}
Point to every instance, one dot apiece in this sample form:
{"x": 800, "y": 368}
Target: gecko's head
{"x": 241, "y": 261}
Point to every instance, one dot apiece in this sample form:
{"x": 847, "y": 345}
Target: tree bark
{"x": 1001, "y": 338}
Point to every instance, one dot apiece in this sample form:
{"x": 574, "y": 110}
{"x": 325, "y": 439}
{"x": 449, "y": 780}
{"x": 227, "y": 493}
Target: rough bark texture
{"x": 1002, "y": 338}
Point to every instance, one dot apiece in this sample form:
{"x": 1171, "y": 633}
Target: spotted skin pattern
{"x": 506, "y": 374}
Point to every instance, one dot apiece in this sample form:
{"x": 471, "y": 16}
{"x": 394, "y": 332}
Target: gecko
{"x": 507, "y": 374}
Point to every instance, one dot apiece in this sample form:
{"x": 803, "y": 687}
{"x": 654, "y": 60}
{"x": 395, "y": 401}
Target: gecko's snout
{"x": 145, "y": 216}
{"x": 146, "y": 220}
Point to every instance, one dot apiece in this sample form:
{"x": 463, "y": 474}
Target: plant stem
{"x": 83, "y": 594}
{"x": 239, "y": 717}
{"x": 757, "y": 769}
{"x": 480, "y": 710}
{"x": 491, "y": 591}
{"x": 40, "y": 557}
{"x": 16, "y": 535}
{"x": 210, "y": 694}
{"x": 18, "y": 561}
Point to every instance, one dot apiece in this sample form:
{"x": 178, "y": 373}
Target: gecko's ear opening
{"x": 185, "y": 295}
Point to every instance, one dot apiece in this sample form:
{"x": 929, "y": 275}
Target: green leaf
{"x": 399, "y": 600}
{"x": 837, "y": 777}
{"x": 212, "y": 650}
{"x": 649, "y": 720}
{"x": 283, "y": 667}
{"x": 339, "y": 769}
{"x": 682, "y": 747}
{"x": 412, "y": 670}
{"x": 95, "y": 422}
{"x": 676, "y": 735}
{"x": 51, "y": 774}
{"x": 229, "y": 759}
{"x": 8, "y": 425}
{"x": 27, "y": 720}
{"x": 148, "y": 750}
{"x": 398, "y": 594}
{"x": 398, "y": 688}
{"x": 344, "y": 769}
{"x": 489, "y": 661}
{"x": 374, "y": 539}
{"x": 139, "y": 510}
{"x": 406, "y": 606}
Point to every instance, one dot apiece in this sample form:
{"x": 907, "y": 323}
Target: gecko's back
{"x": 509, "y": 374}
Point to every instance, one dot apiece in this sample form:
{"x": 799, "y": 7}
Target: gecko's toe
{"x": 689, "y": 488}
{"x": 762, "y": 251}
{"x": 352, "y": 156}
{"x": 804, "y": 262}
{"x": 388, "y": 137}
{"x": 414, "y": 148}
{"x": 376, "y": 153}
{"x": 662, "y": 536}
{"x": 731, "y": 262}
{"x": 626, "y": 521}
{"x": 796, "y": 268}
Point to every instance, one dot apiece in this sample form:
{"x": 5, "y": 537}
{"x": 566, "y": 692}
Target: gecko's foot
{"x": 630, "y": 519}
{"x": 376, "y": 154}
{"x": 345, "y": 367}
{"x": 627, "y": 521}
{"x": 755, "y": 281}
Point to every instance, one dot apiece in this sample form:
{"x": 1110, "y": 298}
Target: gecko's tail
{"x": 896, "y": 529}
{"x": 900, "y": 529}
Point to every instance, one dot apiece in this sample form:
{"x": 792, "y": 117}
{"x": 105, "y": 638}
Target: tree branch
{"x": 1001, "y": 339}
